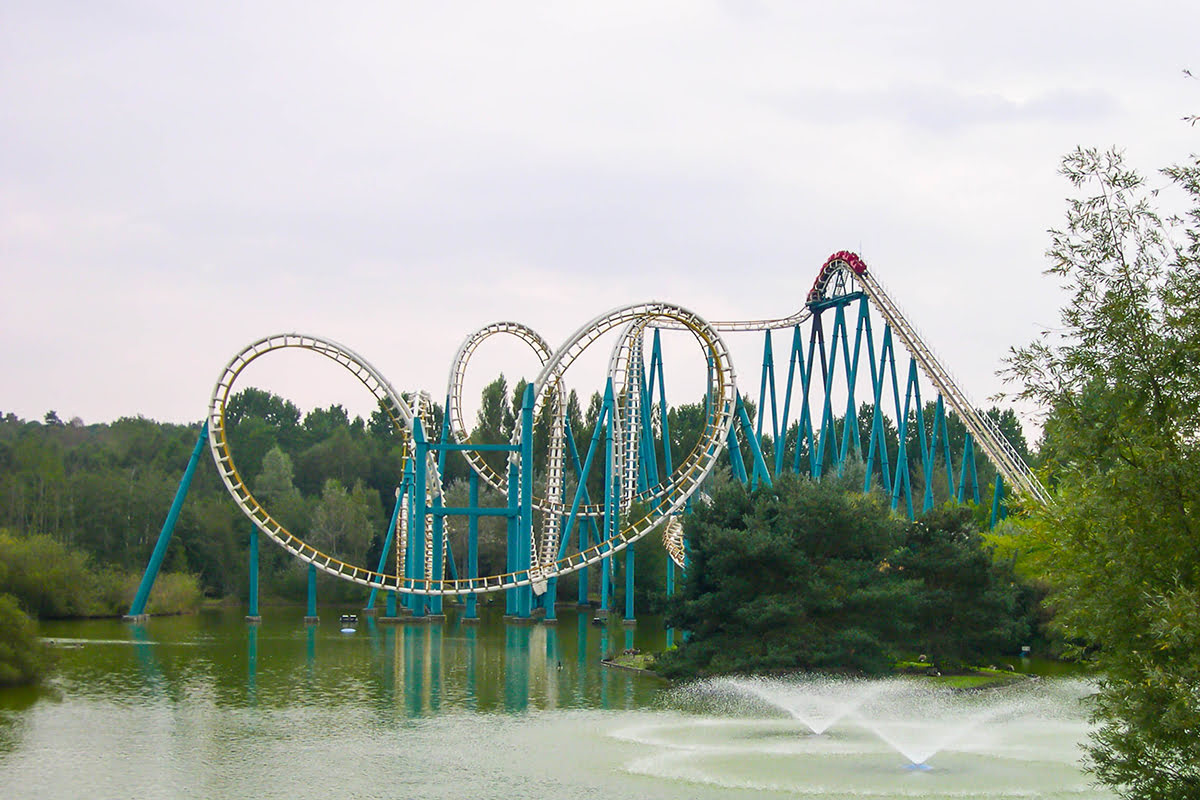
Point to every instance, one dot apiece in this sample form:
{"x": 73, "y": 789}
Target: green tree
{"x": 969, "y": 607}
{"x": 342, "y": 522}
{"x": 276, "y": 492}
{"x": 22, "y": 656}
{"x": 1121, "y": 386}
{"x": 791, "y": 577}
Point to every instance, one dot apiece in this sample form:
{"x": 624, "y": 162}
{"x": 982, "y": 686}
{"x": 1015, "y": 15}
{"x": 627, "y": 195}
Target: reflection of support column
{"x": 604, "y": 673}
{"x": 553, "y": 666}
{"x": 144, "y": 649}
{"x": 472, "y": 693}
{"x": 310, "y": 651}
{"x": 431, "y": 642}
{"x": 516, "y": 667}
{"x": 311, "y": 618}
{"x": 252, "y": 613}
{"x": 414, "y": 678}
{"x": 538, "y": 668}
{"x": 252, "y": 661}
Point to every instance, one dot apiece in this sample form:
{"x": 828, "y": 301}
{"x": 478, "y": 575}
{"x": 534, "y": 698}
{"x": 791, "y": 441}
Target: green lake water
{"x": 207, "y": 706}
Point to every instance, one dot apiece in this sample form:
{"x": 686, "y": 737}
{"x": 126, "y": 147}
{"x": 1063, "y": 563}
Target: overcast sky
{"x": 179, "y": 179}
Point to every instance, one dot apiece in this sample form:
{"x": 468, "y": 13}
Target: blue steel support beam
{"x": 387, "y": 545}
{"x": 252, "y": 612}
{"x": 760, "y": 463}
{"x": 611, "y": 499}
{"x": 767, "y": 384}
{"x": 510, "y": 595}
{"x": 416, "y": 532}
{"x": 312, "y": 593}
{"x": 828, "y": 369}
{"x": 629, "y": 561}
{"x": 138, "y": 608}
{"x": 901, "y": 481}
{"x": 850, "y": 433}
{"x": 525, "y": 537}
{"x": 999, "y": 512}
{"x": 968, "y": 470}
{"x": 472, "y": 542}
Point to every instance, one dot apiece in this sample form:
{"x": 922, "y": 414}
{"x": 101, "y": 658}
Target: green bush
{"x": 53, "y": 581}
{"x": 22, "y": 656}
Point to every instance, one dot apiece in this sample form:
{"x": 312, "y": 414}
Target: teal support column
{"x": 312, "y": 617}
{"x": 510, "y": 595}
{"x": 471, "y": 611}
{"x": 138, "y": 610}
{"x": 252, "y": 613}
{"x": 629, "y": 559}
{"x": 439, "y": 554}
{"x": 416, "y": 531}
{"x": 549, "y": 599}
{"x": 387, "y": 545}
{"x": 999, "y": 512}
{"x": 610, "y": 500}
{"x": 525, "y": 537}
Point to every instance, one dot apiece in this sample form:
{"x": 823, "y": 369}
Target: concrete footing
{"x": 253, "y": 619}
{"x": 312, "y": 620}
{"x": 629, "y": 623}
{"x": 136, "y": 619}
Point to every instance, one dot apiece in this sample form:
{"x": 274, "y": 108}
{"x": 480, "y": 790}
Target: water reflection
{"x": 401, "y": 670}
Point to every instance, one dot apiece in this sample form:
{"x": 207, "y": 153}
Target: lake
{"x": 206, "y": 706}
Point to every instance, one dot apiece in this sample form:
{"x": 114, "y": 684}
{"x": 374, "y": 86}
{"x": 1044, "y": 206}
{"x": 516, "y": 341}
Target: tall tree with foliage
{"x": 1120, "y": 544}
{"x": 794, "y": 576}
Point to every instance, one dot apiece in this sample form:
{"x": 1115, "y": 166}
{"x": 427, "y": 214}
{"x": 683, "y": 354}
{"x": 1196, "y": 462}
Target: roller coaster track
{"x": 666, "y": 499}
{"x": 1008, "y": 462}
{"x": 669, "y": 497}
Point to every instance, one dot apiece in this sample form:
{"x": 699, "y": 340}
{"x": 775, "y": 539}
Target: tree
{"x": 276, "y": 492}
{"x": 341, "y": 523}
{"x": 1121, "y": 388}
{"x": 22, "y": 655}
{"x": 795, "y": 576}
{"x": 969, "y": 606}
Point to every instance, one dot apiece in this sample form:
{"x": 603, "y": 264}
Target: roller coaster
{"x": 560, "y": 529}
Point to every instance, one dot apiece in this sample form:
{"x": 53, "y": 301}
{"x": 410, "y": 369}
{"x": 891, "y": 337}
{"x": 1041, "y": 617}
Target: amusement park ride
{"x": 833, "y": 348}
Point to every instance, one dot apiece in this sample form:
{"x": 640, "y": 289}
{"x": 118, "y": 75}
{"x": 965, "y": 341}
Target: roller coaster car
{"x": 349, "y": 622}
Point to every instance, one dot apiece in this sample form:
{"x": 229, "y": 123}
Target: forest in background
{"x": 101, "y": 491}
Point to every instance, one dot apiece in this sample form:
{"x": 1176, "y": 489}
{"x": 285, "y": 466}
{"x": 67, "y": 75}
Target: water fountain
{"x": 819, "y": 702}
{"x": 823, "y": 736}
